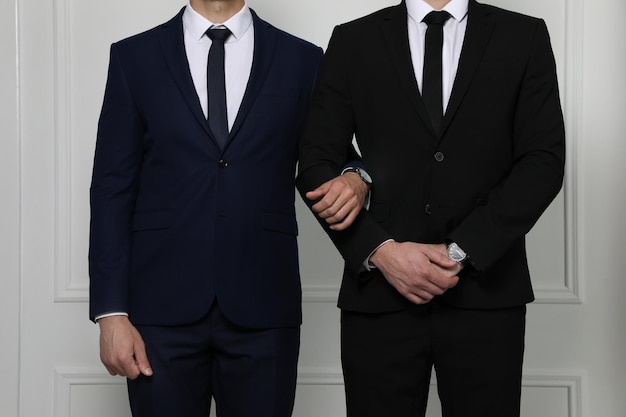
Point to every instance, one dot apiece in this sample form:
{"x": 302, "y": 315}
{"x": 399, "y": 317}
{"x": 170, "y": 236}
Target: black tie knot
{"x": 220, "y": 34}
{"x": 436, "y": 18}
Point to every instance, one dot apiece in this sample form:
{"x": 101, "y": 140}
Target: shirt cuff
{"x": 101, "y": 316}
{"x": 369, "y": 266}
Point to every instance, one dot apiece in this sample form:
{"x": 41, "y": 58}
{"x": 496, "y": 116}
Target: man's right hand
{"x": 415, "y": 270}
{"x": 122, "y": 349}
{"x": 341, "y": 200}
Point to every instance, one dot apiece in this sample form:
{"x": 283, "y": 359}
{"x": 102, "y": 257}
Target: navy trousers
{"x": 247, "y": 372}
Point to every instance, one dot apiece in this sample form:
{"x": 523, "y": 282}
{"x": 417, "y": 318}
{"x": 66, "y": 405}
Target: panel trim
{"x": 320, "y": 293}
{"x": 66, "y": 289}
{"x": 573, "y": 124}
{"x": 570, "y": 380}
{"x": 66, "y": 378}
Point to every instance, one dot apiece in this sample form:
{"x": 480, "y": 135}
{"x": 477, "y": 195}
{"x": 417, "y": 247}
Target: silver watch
{"x": 362, "y": 173}
{"x": 456, "y": 253}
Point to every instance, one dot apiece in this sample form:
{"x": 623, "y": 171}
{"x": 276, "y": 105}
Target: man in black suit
{"x": 436, "y": 271}
{"x": 193, "y": 253}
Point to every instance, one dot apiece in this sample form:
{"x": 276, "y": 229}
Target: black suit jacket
{"x": 482, "y": 183}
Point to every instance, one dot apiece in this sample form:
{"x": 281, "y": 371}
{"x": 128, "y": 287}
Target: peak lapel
{"x": 477, "y": 34}
{"x": 172, "y": 41}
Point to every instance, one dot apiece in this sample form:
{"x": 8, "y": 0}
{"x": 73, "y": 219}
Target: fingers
{"x": 318, "y": 193}
{"x": 346, "y": 222}
{"x": 122, "y": 350}
{"x": 438, "y": 255}
{"x": 340, "y": 200}
{"x": 120, "y": 363}
{"x": 141, "y": 360}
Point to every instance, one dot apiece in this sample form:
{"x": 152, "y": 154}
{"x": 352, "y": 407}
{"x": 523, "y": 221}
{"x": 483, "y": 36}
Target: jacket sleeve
{"x": 326, "y": 147}
{"x": 536, "y": 176}
{"x": 117, "y": 164}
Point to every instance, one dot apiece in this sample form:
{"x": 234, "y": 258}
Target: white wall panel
{"x": 9, "y": 211}
{"x": 81, "y": 392}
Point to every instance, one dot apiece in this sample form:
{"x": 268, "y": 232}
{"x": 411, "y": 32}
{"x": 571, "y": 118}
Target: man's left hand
{"x": 452, "y": 271}
{"x": 340, "y": 200}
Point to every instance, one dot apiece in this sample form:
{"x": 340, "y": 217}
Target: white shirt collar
{"x": 197, "y": 25}
{"x": 418, "y": 9}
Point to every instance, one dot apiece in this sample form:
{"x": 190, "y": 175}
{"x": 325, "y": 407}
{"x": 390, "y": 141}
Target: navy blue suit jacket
{"x": 176, "y": 221}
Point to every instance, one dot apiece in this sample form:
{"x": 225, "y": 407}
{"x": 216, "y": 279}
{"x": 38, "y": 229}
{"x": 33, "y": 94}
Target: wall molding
{"x": 573, "y": 67}
{"x": 67, "y": 378}
{"x": 570, "y": 380}
{"x": 66, "y": 287}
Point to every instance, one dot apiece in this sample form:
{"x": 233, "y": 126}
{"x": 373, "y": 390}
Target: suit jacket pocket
{"x": 282, "y": 223}
{"x": 152, "y": 219}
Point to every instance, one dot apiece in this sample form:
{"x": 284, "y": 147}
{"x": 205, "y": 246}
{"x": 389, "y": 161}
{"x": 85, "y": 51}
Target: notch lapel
{"x": 477, "y": 34}
{"x": 264, "y": 46}
{"x": 395, "y": 33}
{"x": 172, "y": 41}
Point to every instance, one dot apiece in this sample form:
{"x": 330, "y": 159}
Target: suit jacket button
{"x": 439, "y": 156}
{"x": 427, "y": 210}
{"x": 223, "y": 163}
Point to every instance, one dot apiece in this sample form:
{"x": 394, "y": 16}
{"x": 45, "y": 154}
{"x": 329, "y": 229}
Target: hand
{"x": 452, "y": 271}
{"x": 417, "y": 271}
{"x": 122, "y": 350}
{"x": 340, "y": 200}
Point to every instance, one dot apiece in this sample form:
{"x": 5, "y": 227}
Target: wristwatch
{"x": 456, "y": 253}
{"x": 362, "y": 173}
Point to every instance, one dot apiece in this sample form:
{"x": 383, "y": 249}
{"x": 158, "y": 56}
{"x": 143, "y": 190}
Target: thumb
{"x": 318, "y": 193}
{"x": 441, "y": 259}
{"x": 141, "y": 358}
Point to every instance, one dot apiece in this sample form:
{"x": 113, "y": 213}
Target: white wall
{"x": 9, "y": 214}
{"x": 52, "y": 73}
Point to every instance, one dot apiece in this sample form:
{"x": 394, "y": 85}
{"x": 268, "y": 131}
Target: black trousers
{"x": 247, "y": 372}
{"x": 477, "y": 356}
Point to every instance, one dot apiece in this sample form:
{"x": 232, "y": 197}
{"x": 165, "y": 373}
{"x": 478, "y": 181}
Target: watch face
{"x": 456, "y": 253}
{"x": 364, "y": 176}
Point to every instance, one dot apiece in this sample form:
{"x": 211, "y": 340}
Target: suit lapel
{"x": 264, "y": 45}
{"x": 172, "y": 40}
{"x": 395, "y": 34}
{"x": 477, "y": 34}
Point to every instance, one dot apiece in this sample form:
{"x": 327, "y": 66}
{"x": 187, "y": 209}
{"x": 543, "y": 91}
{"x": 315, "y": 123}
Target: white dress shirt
{"x": 238, "y": 53}
{"x": 453, "y": 35}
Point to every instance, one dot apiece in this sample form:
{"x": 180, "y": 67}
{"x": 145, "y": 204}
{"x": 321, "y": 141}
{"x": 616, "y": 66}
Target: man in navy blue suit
{"x": 193, "y": 255}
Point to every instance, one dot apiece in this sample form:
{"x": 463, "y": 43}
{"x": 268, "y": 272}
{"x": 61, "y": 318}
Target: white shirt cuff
{"x": 111, "y": 315}
{"x": 367, "y": 265}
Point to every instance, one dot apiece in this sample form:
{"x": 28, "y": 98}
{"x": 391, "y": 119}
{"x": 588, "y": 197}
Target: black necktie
{"x": 432, "y": 80}
{"x": 216, "y": 85}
